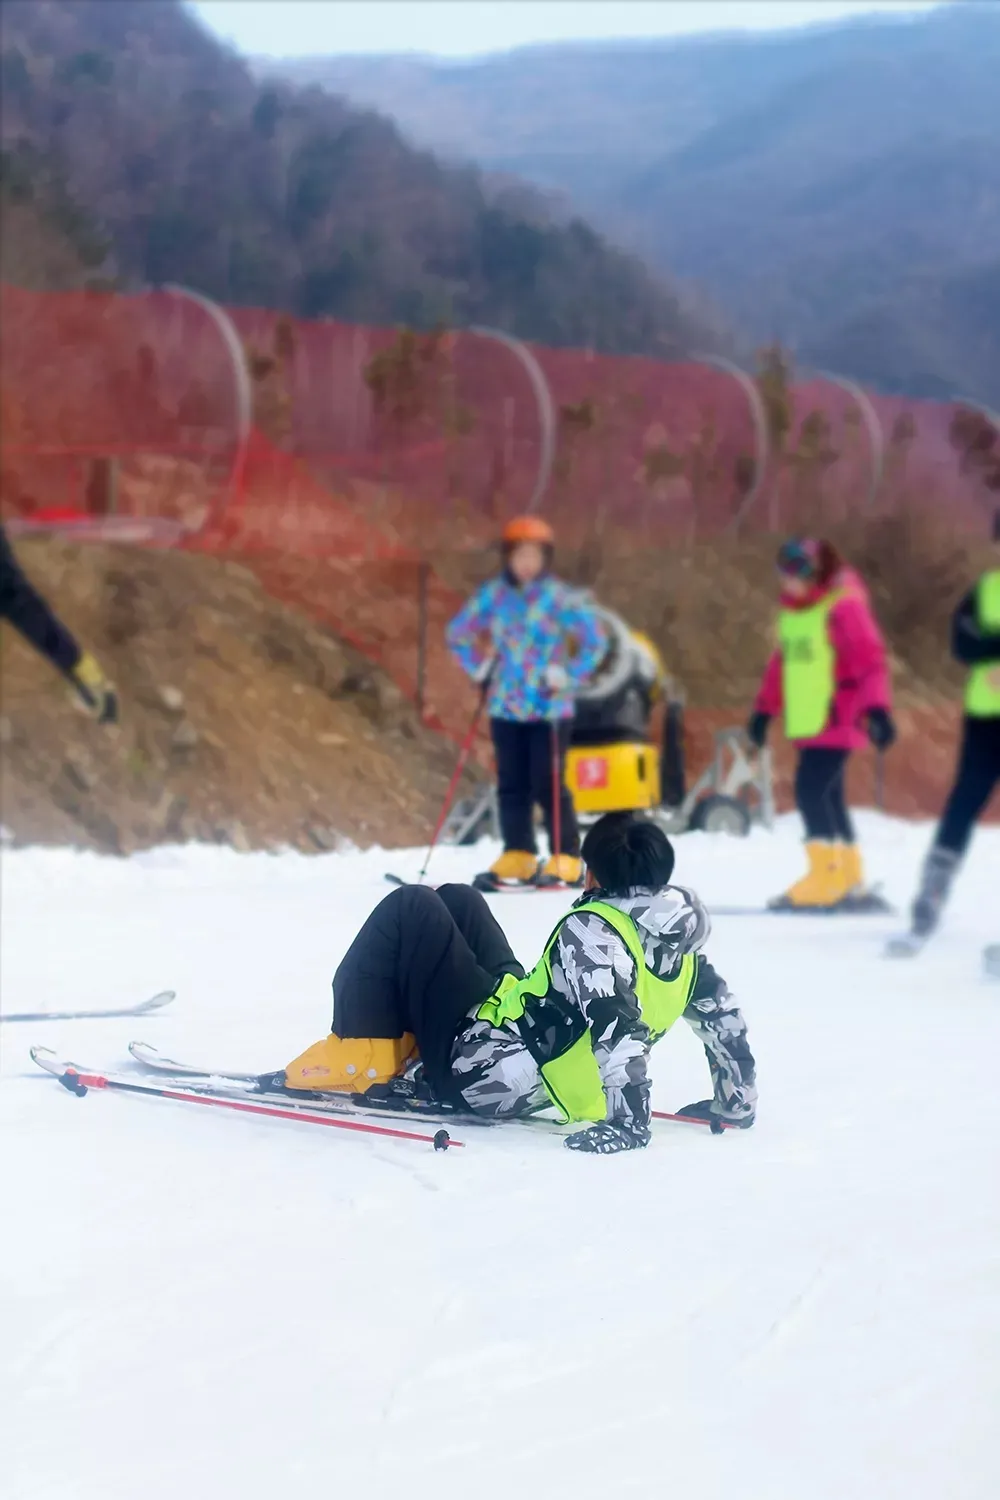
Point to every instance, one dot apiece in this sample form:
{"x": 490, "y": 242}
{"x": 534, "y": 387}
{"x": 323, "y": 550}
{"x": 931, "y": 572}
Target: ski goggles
{"x": 798, "y": 559}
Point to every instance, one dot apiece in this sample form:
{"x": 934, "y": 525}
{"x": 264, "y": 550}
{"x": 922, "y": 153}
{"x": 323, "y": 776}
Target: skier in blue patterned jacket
{"x": 532, "y": 641}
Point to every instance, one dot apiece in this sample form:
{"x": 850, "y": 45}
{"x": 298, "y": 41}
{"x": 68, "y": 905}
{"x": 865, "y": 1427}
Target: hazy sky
{"x": 463, "y": 28}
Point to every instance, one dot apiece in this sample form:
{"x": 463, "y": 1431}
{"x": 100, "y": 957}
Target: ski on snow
{"x": 152, "y": 1059}
{"x": 870, "y": 906}
{"x": 492, "y": 887}
{"x": 80, "y": 1081}
{"x": 156, "y": 1002}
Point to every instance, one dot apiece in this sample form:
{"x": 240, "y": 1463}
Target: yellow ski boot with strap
{"x": 858, "y": 896}
{"x": 822, "y": 885}
{"x": 517, "y": 865}
{"x": 350, "y": 1064}
{"x": 562, "y": 869}
{"x": 852, "y": 870}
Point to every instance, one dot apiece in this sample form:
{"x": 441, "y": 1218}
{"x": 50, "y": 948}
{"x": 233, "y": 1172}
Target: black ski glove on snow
{"x": 707, "y": 1110}
{"x": 757, "y": 727}
{"x": 881, "y": 729}
{"x": 609, "y": 1137}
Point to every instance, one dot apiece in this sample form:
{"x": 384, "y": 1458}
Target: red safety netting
{"x": 337, "y": 460}
{"x": 115, "y": 405}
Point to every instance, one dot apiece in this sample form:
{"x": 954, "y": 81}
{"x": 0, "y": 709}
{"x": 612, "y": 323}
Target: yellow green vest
{"x": 808, "y": 667}
{"x": 982, "y": 691}
{"x": 573, "y": 1079}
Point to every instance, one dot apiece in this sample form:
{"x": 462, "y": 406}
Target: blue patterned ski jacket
{"x": 528, "y": 629}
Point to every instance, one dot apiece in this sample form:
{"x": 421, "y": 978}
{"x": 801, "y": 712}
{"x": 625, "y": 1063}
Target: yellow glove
{"x": 94, "y": 693}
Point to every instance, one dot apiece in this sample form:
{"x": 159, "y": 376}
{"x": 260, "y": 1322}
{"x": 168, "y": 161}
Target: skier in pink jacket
{"x": 829, "y": 679}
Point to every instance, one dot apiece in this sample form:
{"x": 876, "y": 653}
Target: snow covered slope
{"x": 204, "y": 1305}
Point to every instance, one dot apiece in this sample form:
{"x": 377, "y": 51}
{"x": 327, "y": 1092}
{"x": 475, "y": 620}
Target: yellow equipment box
{"x": 613, "y": 778}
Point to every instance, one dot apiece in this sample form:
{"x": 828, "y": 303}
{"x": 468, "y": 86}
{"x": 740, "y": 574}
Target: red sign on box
{"x": 592, "y": 773}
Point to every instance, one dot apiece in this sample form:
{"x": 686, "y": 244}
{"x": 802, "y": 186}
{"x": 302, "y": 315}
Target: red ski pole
{"x": 79, "y": 1083}
{"x": 449, "y": 796}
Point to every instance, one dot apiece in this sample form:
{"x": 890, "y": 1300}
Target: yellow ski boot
{"x": 517, "y": 865}
{"x": 562, "y": 869}
{"x": 852, "y": 870}
{"x": 350, "y": 1064}
{"x": 858, "y": 897}
{"x": 822, "y": 885}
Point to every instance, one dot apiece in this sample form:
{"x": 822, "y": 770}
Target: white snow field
{"x": 204, "y": 1305}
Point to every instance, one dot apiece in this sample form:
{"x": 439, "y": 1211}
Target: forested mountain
{"x": 141, "y": 128}
{"x": 837, "y": 187}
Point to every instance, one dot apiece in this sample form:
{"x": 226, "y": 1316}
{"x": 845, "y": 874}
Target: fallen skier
{"x": 430, "y": 995}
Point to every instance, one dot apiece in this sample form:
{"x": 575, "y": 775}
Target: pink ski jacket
{"x": 862, "y": 666}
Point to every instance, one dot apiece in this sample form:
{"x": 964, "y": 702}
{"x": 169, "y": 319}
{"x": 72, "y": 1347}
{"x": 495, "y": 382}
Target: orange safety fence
{"x": 336, "y": 459}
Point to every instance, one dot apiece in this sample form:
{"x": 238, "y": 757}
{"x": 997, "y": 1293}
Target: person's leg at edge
{"x": 567, "y": 867}
{"x": 847, "y": 853}
{"x": 977, "y": 774}
{"x": 819, "y": 799}
{"x": 512, "y": 746}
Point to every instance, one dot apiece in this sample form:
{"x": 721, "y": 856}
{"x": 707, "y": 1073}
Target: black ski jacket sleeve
{"x": 969, "y": 642}
{"x": 27, "y": 611}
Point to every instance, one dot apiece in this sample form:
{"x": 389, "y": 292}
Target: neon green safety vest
{"x": 982, "y": 692}
{"x": 808, "y": 667}
{"x": 573, "y": 1079}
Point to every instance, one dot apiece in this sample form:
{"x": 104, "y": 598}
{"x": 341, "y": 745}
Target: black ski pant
{"x": 524, "y": 755}
{"x": 977, "y": 775}
{"x": 821, "y": 796}
{"x": 420, "y": 963}
{"x": 27, "y": 611}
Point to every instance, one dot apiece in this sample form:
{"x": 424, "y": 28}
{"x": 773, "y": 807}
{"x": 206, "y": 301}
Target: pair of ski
{"x": 911, "y": 944}
{"x": 491, "y": 885}
{"x": 264, "y": 1095}
{"x": 144, "y": 1008}
{"x": 869, "y": 904}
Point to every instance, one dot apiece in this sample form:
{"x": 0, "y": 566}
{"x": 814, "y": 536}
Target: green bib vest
{"x": 808, "y": 667}
{"x": 982, "y": 691}
{"x": 573, "y": 1079}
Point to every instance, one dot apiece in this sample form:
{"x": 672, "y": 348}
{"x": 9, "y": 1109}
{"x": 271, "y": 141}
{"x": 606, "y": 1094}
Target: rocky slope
{"x": 242, "y": 722}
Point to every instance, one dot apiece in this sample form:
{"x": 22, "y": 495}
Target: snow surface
{"x": 206, "y": 1305}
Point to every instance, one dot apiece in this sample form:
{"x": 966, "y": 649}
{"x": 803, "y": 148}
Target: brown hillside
{"x": 242, "y": 723}
{"x": 249, "y": 723}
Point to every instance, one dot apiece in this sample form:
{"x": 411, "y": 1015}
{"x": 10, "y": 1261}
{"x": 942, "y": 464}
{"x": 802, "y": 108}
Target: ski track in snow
{"x": 200, "y": 1304}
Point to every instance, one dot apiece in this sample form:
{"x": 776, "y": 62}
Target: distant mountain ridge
{"x": 837, "y": 187}
{"x": 179, "y": 166}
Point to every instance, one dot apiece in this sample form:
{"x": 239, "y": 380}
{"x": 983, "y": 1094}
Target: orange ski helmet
{"x": 528, "y": 529}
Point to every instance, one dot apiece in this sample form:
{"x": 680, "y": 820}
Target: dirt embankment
{"x": 242, "y": 722}
{"x": 249, "y": 723}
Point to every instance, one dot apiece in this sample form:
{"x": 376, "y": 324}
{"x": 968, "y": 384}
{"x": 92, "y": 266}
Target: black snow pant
{"x": 978, "y": 773}
{"x": 820, "y": 794}
{"x": 27, "y": 611}
{"x": 421, "y": 962}
{"x": 525, "y": 779}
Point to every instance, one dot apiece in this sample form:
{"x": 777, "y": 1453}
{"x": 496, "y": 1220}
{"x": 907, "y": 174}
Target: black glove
{"x": 757, "y": 727}
{"x": 881, "y": 729}
{"x": 94, "y": 693}
{"x": 609, "y": 1137}
{"x": 707, "y": 1109}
